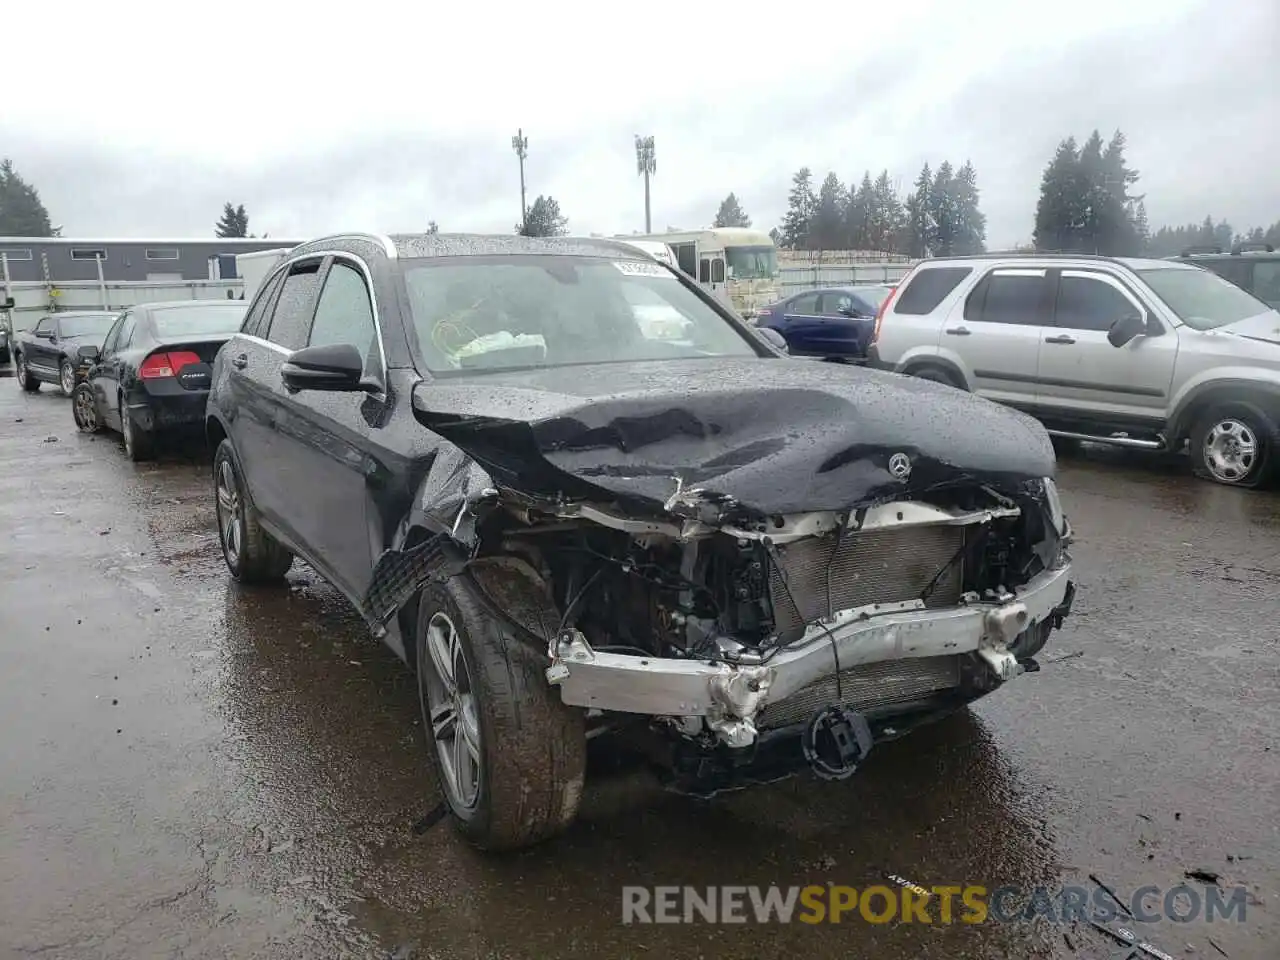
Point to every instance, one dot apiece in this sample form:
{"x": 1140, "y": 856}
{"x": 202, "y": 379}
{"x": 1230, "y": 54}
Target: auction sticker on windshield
{"x": 638, "y": 268}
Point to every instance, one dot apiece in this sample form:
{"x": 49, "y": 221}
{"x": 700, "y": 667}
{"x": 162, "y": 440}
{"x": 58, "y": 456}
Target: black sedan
{"x": 835, "y": 322}
{"x": 151, "y": 376}
{"x": 50, "y": 351}
{"x": 571, "y": 520}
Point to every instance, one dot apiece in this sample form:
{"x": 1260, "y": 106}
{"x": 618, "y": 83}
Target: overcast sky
{"x": 140, "y": 119}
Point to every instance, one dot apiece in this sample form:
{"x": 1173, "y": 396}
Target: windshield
{"x": 84, "y": 326}
{"x": 205, "y": 320}
{"x": 496, "y": 313}
{"x": 1201, "y": 299}
{"x": 752, "y": 263}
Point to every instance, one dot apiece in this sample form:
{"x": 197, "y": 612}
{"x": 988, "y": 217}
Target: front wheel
{"x": 510, "y": 755}
{"x": 85, "y": 409}
{"x": 1235, "y": 444}
{"x": 67, "y": 378}
{"x": 25, "y": 380}
{"x": 252, "y": 554}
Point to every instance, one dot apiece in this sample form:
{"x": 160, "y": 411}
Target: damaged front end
{"x": 731, "y": 629}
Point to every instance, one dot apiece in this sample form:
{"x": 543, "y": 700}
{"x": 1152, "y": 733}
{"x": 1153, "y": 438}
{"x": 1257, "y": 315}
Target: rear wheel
{"x": 25, "y": 380}
{"x": 1235, "y": 444}
{"x": 510, "y": 755}
{"x": 85, "y": 410}
{"x": 138, "y": 444}
{"x": 67, "y": 378}
{"x": 252, "y": 554}
{"x": 936, "y": 374}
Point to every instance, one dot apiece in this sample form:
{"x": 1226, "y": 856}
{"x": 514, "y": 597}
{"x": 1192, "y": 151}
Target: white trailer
{"x": 254, "y": 267}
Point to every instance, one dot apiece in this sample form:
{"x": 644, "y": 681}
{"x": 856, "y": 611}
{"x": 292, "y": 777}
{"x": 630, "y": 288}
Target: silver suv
{"x": 1139, "y": 353}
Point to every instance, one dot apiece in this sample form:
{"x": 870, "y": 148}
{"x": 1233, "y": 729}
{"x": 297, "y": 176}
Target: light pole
{"x": 646, "y": 166}
{"x": 520, "y": 144}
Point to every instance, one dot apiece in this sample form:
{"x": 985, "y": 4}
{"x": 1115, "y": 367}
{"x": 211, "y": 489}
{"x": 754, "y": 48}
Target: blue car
{"x": 834, "y": 322}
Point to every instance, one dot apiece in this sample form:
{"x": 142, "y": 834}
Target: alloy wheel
{"x": 1230, "y": 450}
{"x": 67, "y": 378}
{"x": 452, "y": 711}
{"x": 85, "y": 411}
{"x": 230, "y": 514}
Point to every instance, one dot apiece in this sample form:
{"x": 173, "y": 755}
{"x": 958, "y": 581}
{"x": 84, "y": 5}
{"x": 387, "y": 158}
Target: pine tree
{"x": 800, "y": 209}
{"x": 971, "y": 223}
{"x": 1118, "y": 233}
{"x": 731, "y": 214}
{"x": 889, "y": 215}
{"x": 827, "y": 232}
{"x": 233, "y": 223}
{"x": 944, "y": 211}
{"x": 859, "y": 208}
{"x": 1059, "y": 211}
{"x": 920, "y": 225}
{"x": 22, "y": 214}
{"x": 544, "y": 219}
{"x": 1140, "y": 226}
{"x": 432, "y": 228}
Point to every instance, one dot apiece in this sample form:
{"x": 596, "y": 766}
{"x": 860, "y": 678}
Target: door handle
{"x": 959, "y": 331}
{"x": 240, "y": 361}
{"x": 1062, "y": 339}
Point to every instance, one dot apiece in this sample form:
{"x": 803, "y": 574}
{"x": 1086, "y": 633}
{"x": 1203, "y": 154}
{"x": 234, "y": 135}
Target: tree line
{"x": 940, "y": 216}
{"x": 1088, "y": 205}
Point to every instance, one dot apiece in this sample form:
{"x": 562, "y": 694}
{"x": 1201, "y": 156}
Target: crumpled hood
{"x": 774, "y": 436}
{"x": 1264, "y": 327}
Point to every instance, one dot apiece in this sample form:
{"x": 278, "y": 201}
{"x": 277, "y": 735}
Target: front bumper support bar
{"x": 726, "y": 692}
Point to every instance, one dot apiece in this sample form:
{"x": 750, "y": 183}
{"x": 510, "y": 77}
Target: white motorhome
{"x": 737, "y": 264}
{"x": 654, "y": 248}
{"x": 254, "y": 267}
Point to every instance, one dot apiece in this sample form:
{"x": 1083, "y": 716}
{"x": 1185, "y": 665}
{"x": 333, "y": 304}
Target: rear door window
{"x": 806, "y": 304}
{"x": 256, "y": 321}
{"x": 1013, "y": 296}
{"x": 291, "y": 320}
{"x": 928, "y": 288}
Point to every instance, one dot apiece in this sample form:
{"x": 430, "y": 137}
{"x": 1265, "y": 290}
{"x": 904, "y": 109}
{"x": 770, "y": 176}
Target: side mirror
{"x": 89, "y": 353}
{"x": 335, "y": 367}
{"x": 43, "y": 334}
{"x": 1126, "y": 328}
{"x": 773, "y": 338}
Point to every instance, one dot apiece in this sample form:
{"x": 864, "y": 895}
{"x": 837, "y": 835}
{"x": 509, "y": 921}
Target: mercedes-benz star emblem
{"x": 899, "y": 466}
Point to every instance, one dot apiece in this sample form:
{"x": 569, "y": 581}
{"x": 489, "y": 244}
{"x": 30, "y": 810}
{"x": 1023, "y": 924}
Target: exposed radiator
{"x": 888, "y": 565}
{"x": 885, "y": 683}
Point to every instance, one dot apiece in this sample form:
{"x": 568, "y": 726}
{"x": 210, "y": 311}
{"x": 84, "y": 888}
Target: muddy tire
{"x": 138, "y": 444}
{"x": 25, "y": 380}
{"x": 509, "y": 755}
{"x": 251, "y": 554}
{"x": 1236, "y": 444}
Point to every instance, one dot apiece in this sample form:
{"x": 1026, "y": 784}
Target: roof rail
{"x": 1200, "y": 249}
{"x": 1033, "y": 255}
{"x": 1253, "y": 246}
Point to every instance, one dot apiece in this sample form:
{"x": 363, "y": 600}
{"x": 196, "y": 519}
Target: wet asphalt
{"x": 193, "y": 769}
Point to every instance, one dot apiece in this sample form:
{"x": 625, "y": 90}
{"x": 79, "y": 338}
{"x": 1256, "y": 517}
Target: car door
{"x": 995, "y": 333}
{"x": 849, "y": 322}
{"x": 259, "y": 394}
{"x": 325, "y": 440}
{"x": 100, "y": 380}
{"x": 109, "y": 379}
{"x": 801, "y": 324}
{"x": 39, "y": 348}
{"x": 1079, "y": 368}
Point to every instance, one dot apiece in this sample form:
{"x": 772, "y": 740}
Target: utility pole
{"x": 646, "y": 166}
{"x": 520, "y": 144}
